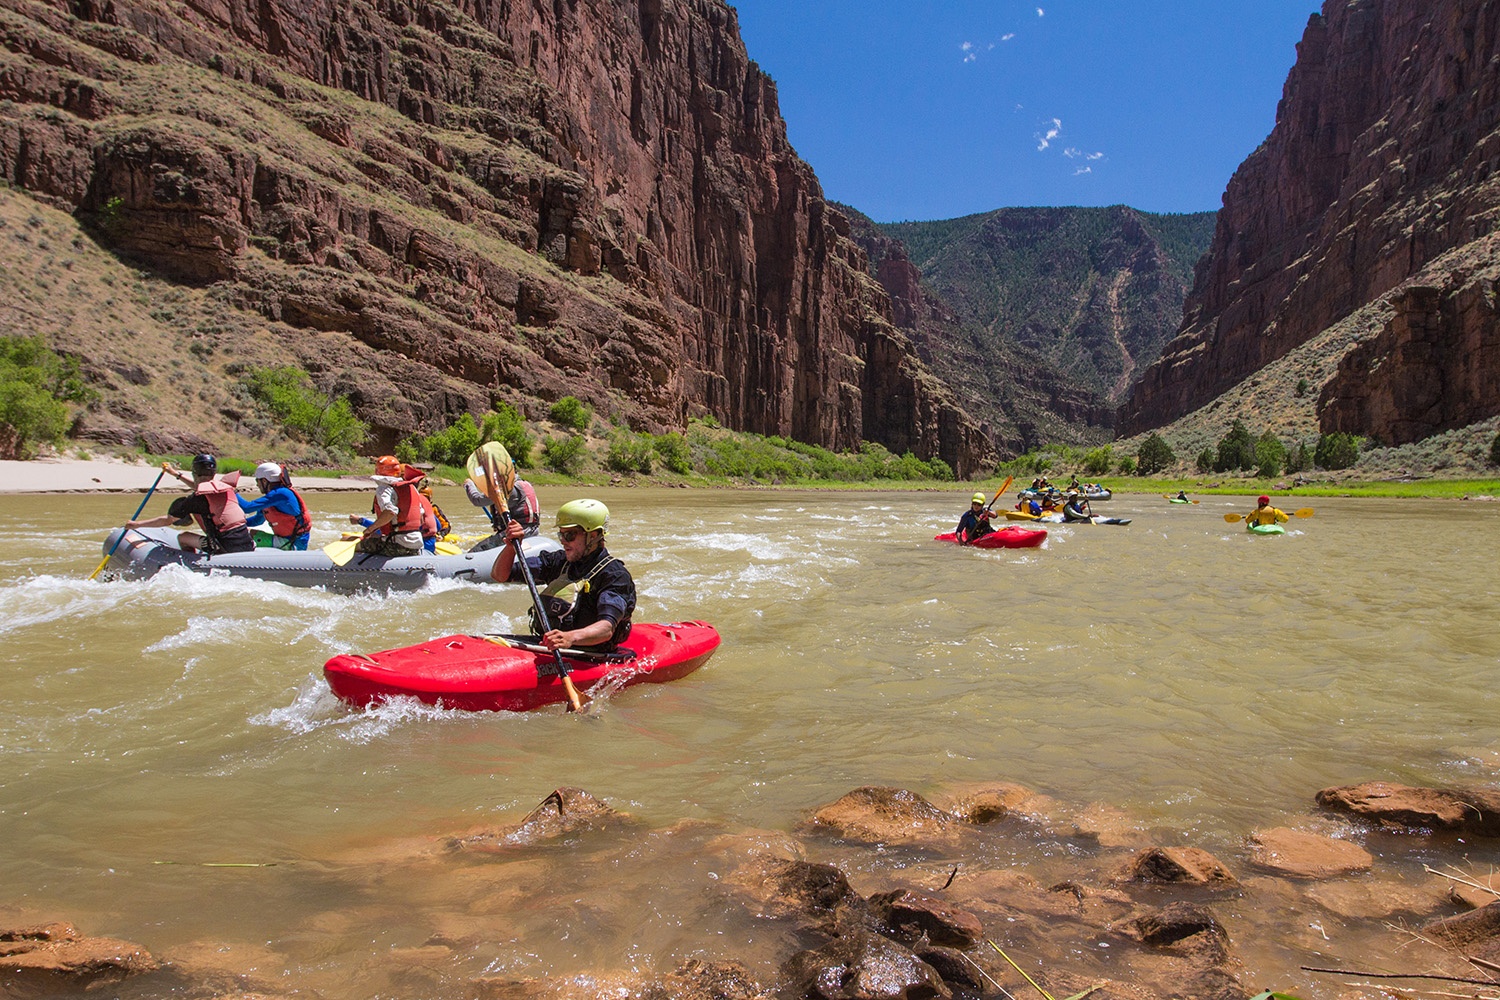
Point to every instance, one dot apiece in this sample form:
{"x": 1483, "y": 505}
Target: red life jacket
{"x": 285, "y": 525}
{"x": 533, "y": 509}
{"x": 429, "y": 517}
{"x": 409, "y": 505}
{"x": 223, "y": 504}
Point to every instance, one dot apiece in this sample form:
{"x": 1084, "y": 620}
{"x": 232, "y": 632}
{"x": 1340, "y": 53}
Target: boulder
{"x": 885, "y": 815}
{"x": 862, "y": 966}
{"x": 1403, "y": 807}
{"x": 1306, "y": 855}
{"x": 55, "y": 958}
{"x": 1189, "y": 865}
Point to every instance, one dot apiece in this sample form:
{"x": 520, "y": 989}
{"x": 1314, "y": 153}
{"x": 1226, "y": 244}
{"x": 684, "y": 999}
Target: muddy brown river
{"x": 1203, "y": 681}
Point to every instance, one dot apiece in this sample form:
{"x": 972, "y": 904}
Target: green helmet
{"x": 590, "y": 515}
{"x": 978, "y": 498}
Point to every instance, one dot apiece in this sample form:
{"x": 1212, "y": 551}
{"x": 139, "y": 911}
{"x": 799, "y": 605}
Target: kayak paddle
{"x": 342, "y": 550}
{"x": 108, "y": 555}
{"x": 498, "y": 468}
{"x": 1232, "y": 518}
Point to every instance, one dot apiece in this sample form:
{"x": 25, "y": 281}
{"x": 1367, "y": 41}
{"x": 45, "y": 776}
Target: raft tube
{"x": 1011, "y": 536}
{"x": 147, "y": 551}
{"x": 490, "y": 674}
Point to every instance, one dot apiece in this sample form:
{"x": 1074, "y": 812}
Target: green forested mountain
{"x": 1095, "y": 291}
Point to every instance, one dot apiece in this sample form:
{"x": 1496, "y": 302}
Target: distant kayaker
{"x": 1073, "y": 483}
{"x": 1265, "y": 513}
{"x": 588, "y": 593}
{"x": 214, "y": 504}
{"x": 523, "y": 508}
{"x": 975, "y": 523}
{"x": 279, "y": 505}
{"x": 1077, "y": 509}
{"x": 396, "y": 528}
{"x": 1182, "y": 495}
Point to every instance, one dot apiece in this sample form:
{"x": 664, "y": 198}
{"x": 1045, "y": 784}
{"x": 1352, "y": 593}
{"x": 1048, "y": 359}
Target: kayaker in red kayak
{"x": 589, "y": 594}
{"x": 975, "y": 523}
{"x": 1265, "y": 513}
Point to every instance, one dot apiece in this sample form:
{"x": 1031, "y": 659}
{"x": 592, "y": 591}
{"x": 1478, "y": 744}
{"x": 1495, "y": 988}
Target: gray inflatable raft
{"x": 146, "y": 551}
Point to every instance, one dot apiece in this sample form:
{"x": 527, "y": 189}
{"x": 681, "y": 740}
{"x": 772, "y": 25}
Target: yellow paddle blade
{"x": 447, "y": 549}
{"x": 341, "y": 551}
{"x": 1304, "y": 512}
{"x": 492, "y": 470}
{"x": 1231, "y": 518}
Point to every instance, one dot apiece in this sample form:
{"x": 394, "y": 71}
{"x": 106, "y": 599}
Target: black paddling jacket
{"x": 609, "y": 592}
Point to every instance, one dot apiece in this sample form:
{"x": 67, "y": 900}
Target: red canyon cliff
{"x": 433, "y": 207}
{"x": 1378, "y": 185}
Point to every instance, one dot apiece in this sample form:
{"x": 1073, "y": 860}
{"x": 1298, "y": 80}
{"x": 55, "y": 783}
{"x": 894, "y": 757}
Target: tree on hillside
{"x": 1236, "y": 449}
{"x": 36, "y": 385}
{"x": 1270, "y": 456}
{"x": 1338, "y": 450}
{"x": 1154, "y": 455}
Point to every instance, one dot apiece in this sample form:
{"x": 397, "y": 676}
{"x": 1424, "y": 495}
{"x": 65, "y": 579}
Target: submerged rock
{"x": 862, "y": 966}
{"x": 1176, "y": 865}
{"x": 51, "y": 958}
{"x": 886, "y": 815}
{"x": 565, "y": 811}
{"x": 1307, "y": 855}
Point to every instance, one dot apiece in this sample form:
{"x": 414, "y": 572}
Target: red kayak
{"x": 1009, "y": 537}
{"x": 507, "y": 674}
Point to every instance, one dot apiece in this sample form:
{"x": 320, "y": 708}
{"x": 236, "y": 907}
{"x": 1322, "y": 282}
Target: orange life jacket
{"x": 287, "y": 525}
{"x": 223, "y": 503}
{"x": 409, "y": 505}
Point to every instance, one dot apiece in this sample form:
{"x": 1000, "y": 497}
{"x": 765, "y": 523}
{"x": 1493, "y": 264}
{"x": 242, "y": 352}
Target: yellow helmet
{"x": 979, "y": 498}
{"x": 590, "y": 515}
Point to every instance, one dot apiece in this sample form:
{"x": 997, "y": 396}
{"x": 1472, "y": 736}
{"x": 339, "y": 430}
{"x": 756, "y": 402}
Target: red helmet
{"x": 387, "y": 465}
{"x": 1262, "y": 500}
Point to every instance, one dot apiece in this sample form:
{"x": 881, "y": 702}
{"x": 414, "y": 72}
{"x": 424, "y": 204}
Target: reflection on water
{"x": 1204, "y": 681}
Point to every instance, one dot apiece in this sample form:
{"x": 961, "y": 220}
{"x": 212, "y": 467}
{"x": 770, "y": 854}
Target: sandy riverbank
{"x": 110, "y": 475}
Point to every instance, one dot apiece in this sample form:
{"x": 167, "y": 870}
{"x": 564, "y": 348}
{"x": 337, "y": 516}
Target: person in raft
{"x": 1265, "y": 513}
{"x": 397, "y": 527}
{"x": 975, "y": 523}
{"x": 440, "y": 526}
{"x": 214, "y": 504}
{"x": 588, "y": 593}
{"x": 279, "y": 505}
{"x": 523, "y": 508}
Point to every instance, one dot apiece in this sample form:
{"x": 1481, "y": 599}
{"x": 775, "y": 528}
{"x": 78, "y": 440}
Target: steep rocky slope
{"x": 1022, "y": 400}
{"x": 432, "y": 206}
{"x": 1094, "y": 291}
{"x": 1382, "y": 164}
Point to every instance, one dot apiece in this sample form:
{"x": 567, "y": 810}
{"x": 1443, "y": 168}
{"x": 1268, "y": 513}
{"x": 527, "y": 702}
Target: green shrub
{"x": 572, "y": 413}
{"x": 450, "y": 446}
{"x": 1205, "y": 460}
{"x": 1495, "y": 450}
{"x": 630, "y": 452}
{"x": 1154, "y": 455}
{"x": 1236, "y": 449}
{"x": 1127, "y": 465}
{"x": 939, "y": 469}
{"x": 290, "y": 396}
{"x": 1299, "y": 459}
{"x": 564, "y": 454}
{"x": 505, "y": 424}
{"x": 1338, "y": 450}
{"x": 1302, "y": 387}
{"x": 674, "y": 452}
{"x": 36, "y": 384}
{"x": 1096, "y": 461}
{"x": 1270, "y": 456}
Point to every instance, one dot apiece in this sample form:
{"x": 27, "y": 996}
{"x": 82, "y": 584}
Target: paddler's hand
{"x": 515, "y": 530}
{"x": 354, "y": 518}
{"x": 556, "y": 639}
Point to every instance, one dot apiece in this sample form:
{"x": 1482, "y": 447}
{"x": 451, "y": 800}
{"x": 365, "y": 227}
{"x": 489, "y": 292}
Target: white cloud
{"x": 967, "y": 46}
{"x": 1044, "y": 139}
{"x": 1083, "y": 170}
{"x": 1007, "y": 36}
{"x": 1095, "y": 156}
{"x": 1072, "y": 151}
{"x": 1040, "y": 12}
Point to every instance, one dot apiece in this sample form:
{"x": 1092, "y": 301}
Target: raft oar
{"x": 498, "y": 466}
{"x": 110, "y": 554}
{"x": 342, "y": 550}
{"x": 1304, "y": 512}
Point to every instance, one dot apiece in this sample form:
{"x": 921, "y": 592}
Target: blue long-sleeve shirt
{"x": 281, "y": 499}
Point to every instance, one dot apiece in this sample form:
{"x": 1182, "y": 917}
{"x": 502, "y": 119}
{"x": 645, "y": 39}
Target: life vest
{"x": 1265, "y": 515}
{"x": 560, "y": 599}
{"x": 410, "y": 506}
{"x": 444, "y": 526}
{"x": 223, "y": 506}
{"x": 285, "y": 525}
{"x": 429, "y": 517}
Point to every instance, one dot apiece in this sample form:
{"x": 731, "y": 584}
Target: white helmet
{"x": 269, "y": 471}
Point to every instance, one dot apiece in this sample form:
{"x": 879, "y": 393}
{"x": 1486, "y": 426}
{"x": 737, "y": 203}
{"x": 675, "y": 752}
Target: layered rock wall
{"x": 1383, "y": 158}
{"x": 495, "y": 199}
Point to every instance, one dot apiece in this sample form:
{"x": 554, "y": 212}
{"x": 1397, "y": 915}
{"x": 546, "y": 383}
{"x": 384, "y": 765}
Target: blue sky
{"x": 933, "y": 109}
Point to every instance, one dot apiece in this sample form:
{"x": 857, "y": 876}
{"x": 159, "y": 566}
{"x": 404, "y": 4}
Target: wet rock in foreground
{"x": 1473, "y": 811}
{"x": 54, "y": 957}
{"x": 1306, "y": 855}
